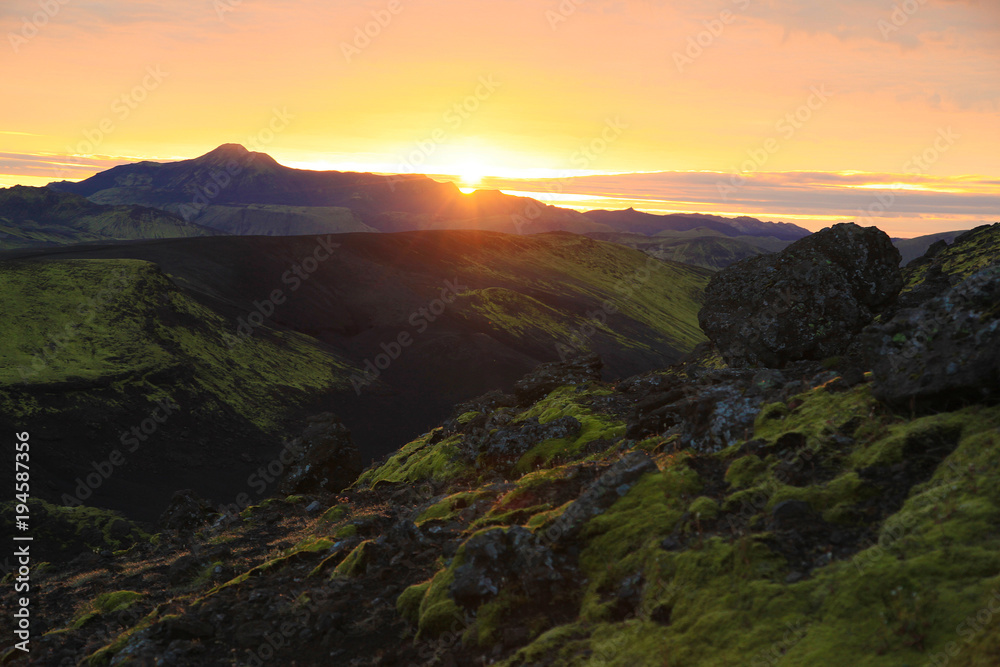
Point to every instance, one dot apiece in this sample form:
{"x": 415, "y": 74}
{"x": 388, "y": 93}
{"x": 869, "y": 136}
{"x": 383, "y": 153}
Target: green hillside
{"x": 32, "y": 217}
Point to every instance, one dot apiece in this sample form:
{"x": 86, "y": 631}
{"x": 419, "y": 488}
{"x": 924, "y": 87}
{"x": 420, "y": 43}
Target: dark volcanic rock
{"x": 522, "y": 436}
{"x": 498, "y": 557}
{"x": 804, "y": 302}
{"x": 555, "y": 374}
{"x": 326, "y": 459}
{"x": 187, "y": 511}
{"x": 944, "y": 352}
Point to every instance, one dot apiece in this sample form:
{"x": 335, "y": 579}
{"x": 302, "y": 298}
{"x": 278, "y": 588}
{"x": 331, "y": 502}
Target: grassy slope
{"x": 665, "y": 296}
{"x": 122, "y": 321}
{"x": 274, "y": 220}
{"x": 39, "y": 216}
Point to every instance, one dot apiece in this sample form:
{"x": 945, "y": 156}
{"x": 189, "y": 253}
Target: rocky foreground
{"x": 820, "y": 485}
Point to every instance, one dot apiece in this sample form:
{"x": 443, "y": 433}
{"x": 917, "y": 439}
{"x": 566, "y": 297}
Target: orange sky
{"x": 519, "y": 88}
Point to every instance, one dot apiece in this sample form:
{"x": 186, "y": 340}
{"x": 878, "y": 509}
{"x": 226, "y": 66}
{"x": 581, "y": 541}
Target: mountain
{"x": 913, "y": 248}
{"x": 362, "y": 325}
{"x": 233, "y": 177}
{"x": 698, "y": 247}
{"x": 235, "y": 190}
{"x": 651, "y": 224}
{"x": 699, "y": 514}
{"x": 92, "y": 349}
{"x": 40, "y": 216}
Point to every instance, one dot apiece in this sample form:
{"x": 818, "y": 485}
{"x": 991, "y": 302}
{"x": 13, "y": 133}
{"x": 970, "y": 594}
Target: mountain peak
{"x": 237, "y": 152}
{"x": 229, "y": 150}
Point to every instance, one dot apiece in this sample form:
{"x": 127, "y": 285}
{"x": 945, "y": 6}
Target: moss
{"x": 467, "y": 417}
{"x": 620, "y": 541}
{"x": 335, "y": 514}
{"x": 346, "y": 531}
{"x": 744, "y": 471}
{"x": 900, "y": 600}
{"x": 894, "y": 439}
{"x": 408, "y": 602}
{"x": 438, "y": 611}
{"x": 107, "y": 603}
{"x": 103, "y": 656}
{"x": 568, "y": 402}
{"x": 450, "y": 507}
{"x": 816, "y": 414}
{"x": 355, "y": 563}
{"x": 704, "y": 508}
{"x": 419, "y": 461}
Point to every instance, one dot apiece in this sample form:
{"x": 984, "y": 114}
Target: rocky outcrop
{"x": 555, "y": 374}
{"x": 943, "y": 353}
{"x": 187, "y": 511}
{"x": 325, "y": 459}
{"x": 804, "y": 302}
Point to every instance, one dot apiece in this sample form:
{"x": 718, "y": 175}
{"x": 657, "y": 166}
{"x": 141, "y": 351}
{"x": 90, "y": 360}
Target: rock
{"x": 495, "y": 558}
{"x": 599, "y": 496}
{"x": 805, "y": 302}
{"x": 326, "y": 459}
{"x": 794, "y": 515}
{"x": 943, "y": 353}
{"x": 522, "y": 436}
{"x": 710, "y": 413}
{"x": 548, "y": 377}
{"x": 182, "y": 569}
{"x": 186, "y": 512}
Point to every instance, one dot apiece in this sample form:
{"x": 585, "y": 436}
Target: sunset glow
{"x": 522, "y": 90}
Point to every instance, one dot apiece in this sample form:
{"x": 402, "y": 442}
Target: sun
{"x": 469, "y": 173}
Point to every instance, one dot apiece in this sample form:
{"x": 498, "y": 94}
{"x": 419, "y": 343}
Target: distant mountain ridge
{"x": 650, "y": 224}
{"x": 214, "y": 190}
{"x": 42, "y": 216}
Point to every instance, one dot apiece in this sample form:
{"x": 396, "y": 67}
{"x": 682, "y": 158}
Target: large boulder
{"x": 943, "y": 353}
{"x": 325, "y": 459}
{"x": 805, "y": 302}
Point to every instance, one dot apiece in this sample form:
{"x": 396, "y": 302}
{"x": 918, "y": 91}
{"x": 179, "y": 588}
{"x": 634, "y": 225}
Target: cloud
{"x": 792, "y": 193}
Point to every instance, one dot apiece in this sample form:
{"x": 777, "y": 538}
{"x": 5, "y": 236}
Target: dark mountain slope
{"x": 233, "y": 176}
{"x": 92, "y": 349}
{"x": 651, "y": 224}
{"x": 475, "y": 309}
{"x": 40, "y": 216}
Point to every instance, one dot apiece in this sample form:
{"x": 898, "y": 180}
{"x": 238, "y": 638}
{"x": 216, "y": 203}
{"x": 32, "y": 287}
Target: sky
{"x": 882, "y": 111}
